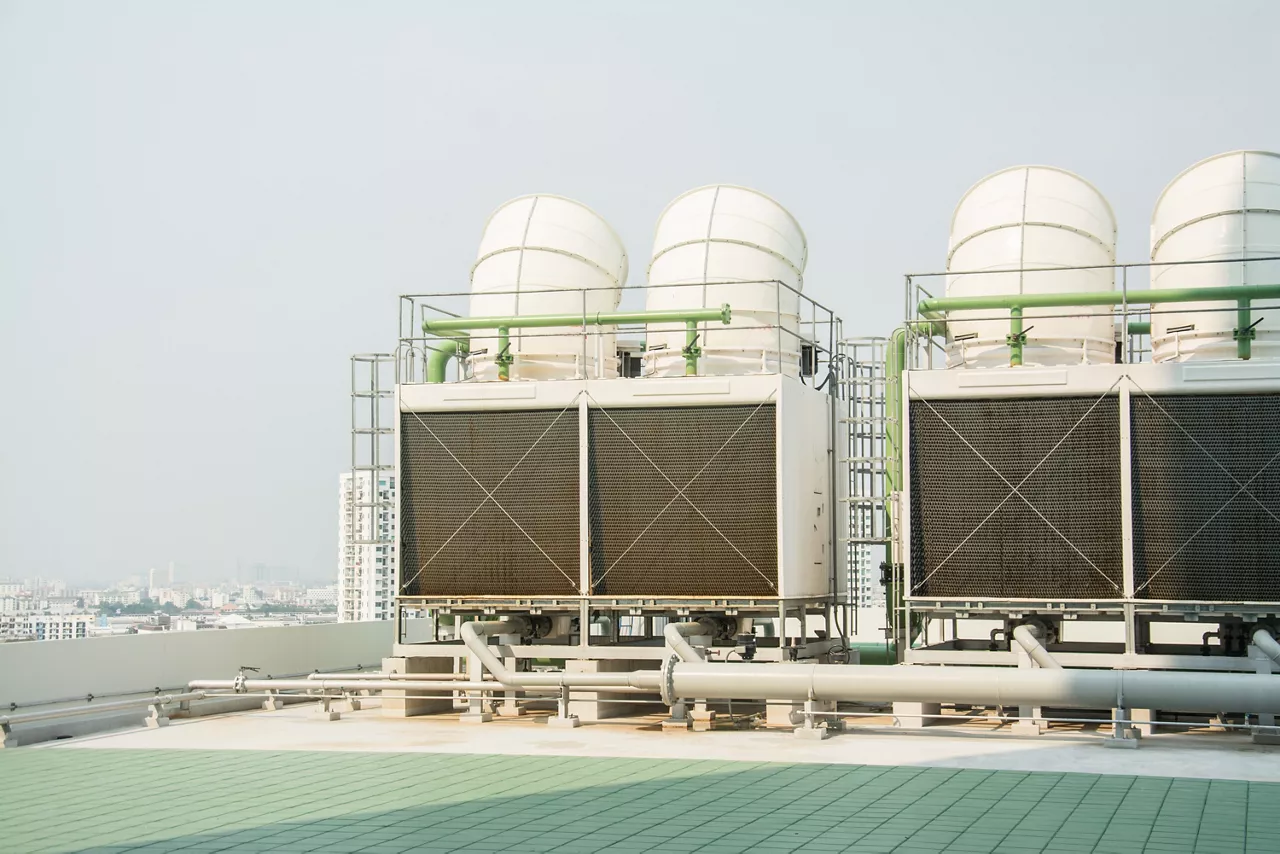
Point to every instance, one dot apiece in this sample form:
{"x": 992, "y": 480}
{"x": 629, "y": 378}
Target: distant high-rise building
{"x": 367, "y": 561}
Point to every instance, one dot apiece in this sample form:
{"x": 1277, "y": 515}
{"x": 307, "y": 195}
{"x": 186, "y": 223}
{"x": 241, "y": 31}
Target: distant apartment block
{"x": 367, "y": 561}
{"x": 46, "y": 626}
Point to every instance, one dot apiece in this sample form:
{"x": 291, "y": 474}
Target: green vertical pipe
{"x": 1243, "y": 333}
{"x": 444, "y": 350}
{"x": 1016, "y": 337}
{"x": 504, "y": 358}
{"x": 691, "y": 349}
{"x": 895, "y": 360}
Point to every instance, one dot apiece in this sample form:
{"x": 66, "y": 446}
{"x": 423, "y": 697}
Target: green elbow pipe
{"x": 444, "y": 350}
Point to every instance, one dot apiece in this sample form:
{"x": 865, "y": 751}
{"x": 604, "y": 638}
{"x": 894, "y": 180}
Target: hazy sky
{"x": 205, "y": 208}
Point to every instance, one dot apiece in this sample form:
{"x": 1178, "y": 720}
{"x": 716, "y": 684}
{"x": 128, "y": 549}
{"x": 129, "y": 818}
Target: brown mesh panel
{"x": 455, "y": 541}
{"x": 638, "y": 548}
{"x": 970, "y": 538}
{"x": 1197, "y": 535}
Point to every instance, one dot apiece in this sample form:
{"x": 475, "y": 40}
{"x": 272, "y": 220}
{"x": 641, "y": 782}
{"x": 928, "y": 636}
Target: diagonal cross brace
{"x": 489, "y": 495}
{"x": 1017, "y": 489}
{"x": 1242, "y": 488}
{"x": 680, "y": 491}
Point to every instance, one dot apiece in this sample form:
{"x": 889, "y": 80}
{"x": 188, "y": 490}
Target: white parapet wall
{"x": 57, "y": 671}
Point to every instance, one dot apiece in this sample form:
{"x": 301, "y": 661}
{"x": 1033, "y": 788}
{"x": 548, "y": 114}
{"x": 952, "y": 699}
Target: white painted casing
{"x": 567, "y": 251}
{"x": 1227, "y": 206}
{"x": 723, "y": 233}
{"x": 1021, "y": 218}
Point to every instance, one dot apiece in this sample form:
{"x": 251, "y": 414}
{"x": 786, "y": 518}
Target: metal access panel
{"x": 1206, "y": 497}
{"x": 489, "y": 503}
{"x": 1015, "y": 497}
{"x": 683, "y": 501}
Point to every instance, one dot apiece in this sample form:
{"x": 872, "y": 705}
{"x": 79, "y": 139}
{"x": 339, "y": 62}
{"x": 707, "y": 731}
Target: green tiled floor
{"x": 155, "y": 801}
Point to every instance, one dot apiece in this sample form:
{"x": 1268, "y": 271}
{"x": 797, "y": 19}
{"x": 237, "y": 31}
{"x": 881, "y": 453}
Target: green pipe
{"x": 1139, "y": 327}
{"x": 1067, "y": 300}
{"x": 504, "y": 357}
{"x": 444, "y": 350}
{"x": 691, "y": 349}
{"x": 533, "y": 321}
{"x": 1244, "y": 332}
{"x": 895, "y": 360}
{"x": 1016, "y": 337}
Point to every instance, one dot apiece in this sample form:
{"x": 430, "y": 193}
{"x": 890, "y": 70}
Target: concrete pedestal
{"x": 592, "y": 706}
{"x": 396, "y": 705}
{"x": 910, "y": 715}
{"x": 782, "y": 713}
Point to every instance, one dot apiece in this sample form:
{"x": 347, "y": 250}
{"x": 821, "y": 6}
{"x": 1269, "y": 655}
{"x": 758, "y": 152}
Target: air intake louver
{"x": 1206, "y": 497}
{"x": 684, "y": 501}
{"x": 1016, "y": 498}
{"x": 456, "y": 540}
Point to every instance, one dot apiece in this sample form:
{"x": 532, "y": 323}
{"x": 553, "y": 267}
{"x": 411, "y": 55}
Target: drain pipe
{"x": 676, "y": 633}
{"x": 1263, "y": 640}
{"x": 1028, "y": 637}
{"x": 476, "y": 634}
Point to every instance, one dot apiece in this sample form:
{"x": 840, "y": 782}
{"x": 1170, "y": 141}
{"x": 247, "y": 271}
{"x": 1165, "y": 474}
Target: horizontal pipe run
{"x": 723, "y": 314}
{"x": 475, "y": 635}
{"x": 980, "y": 686}
{"x": 1094, "y": 298}
{"x": 1139, "y": 327}
{"x": 281, "y": 685}
{"x": 97, "y": 708}
{"x": 1028, "y": 639}
{"x": 397, "y": 677}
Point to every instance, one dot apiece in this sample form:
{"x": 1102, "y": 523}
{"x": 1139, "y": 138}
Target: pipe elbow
{"x": 1026, "y": 636}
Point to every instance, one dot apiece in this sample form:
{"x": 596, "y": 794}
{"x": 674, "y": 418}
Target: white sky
{"x": 205, "y": 208}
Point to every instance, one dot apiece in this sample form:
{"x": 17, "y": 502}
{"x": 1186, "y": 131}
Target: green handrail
{"x": 690, "y": 318}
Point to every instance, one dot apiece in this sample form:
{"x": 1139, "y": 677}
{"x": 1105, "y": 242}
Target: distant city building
{"x": 12, "y": 588}
{"x": 367, "y": 561}
{"x": 321, "y": 596}
{"x": 46, "y": 626}
{"x": 869, "y": 591}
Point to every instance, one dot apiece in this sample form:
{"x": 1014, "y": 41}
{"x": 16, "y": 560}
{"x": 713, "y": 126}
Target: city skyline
{"x": 255, "y": 198}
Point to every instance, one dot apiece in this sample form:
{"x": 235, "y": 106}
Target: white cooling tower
{"x": 547, "y": 255}
{"x": 724, "y": 244}
{"x": 1030, "y": 217}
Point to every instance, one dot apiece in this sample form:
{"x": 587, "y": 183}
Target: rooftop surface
{"x": 284, "y": 781}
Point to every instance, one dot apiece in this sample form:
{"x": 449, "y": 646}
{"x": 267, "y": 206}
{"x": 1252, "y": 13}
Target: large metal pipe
{"x": 1263, "y": 640}
{"x": 1028, "y": 638}
{"x": 397, "y": 677}
{"x": 476, "y": 637}
{"x": 1088, "y": 689}
{"x": 675, "y": 635}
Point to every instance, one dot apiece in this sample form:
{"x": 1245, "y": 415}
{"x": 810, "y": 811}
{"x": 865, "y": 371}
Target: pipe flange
{"x": 667, "y": 687}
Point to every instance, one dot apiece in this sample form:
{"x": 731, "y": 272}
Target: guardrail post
{"x": 1244, "y": 332}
